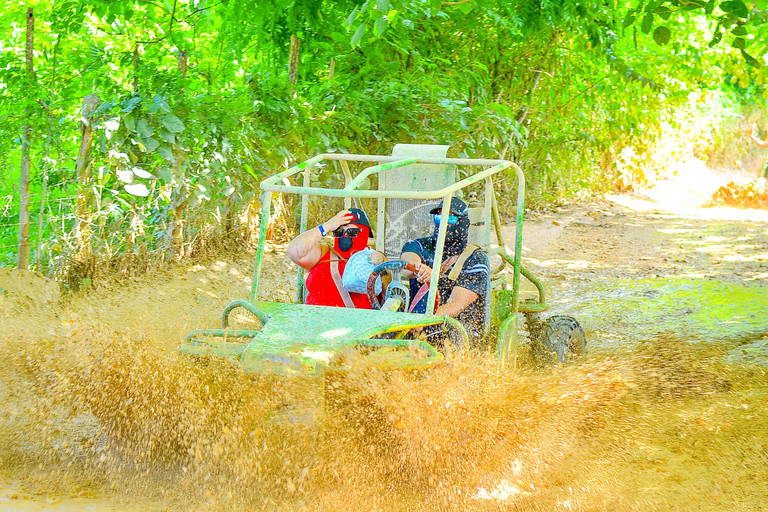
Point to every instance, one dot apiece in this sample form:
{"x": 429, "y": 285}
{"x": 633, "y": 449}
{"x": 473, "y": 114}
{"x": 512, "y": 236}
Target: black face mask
{"x": 456, "y": 237}
{"x": 345, "y": 243}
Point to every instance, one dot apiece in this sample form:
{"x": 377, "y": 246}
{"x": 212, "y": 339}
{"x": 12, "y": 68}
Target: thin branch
{"x": 338, "y": 46}
{"x": 198, "y": 11}
{"x": 582, "y": 92}
{"x": 151, "y": 41}
{"x": 550, "y": 75}
{"x": 164, "y": 36}
{"x": 151, "y": 3}
{"x": 170, "y": 23}
{"x": 179, "y": 20}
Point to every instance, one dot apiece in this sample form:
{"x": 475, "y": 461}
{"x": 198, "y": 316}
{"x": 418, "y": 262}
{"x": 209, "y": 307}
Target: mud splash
{"x": 122, "y": 414}
{"x": 91, "y": 411}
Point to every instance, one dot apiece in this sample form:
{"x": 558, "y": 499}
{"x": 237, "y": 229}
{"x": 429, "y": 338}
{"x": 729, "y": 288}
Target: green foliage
{"x": 732, "y": 16}
{"x": 196, "y": 106}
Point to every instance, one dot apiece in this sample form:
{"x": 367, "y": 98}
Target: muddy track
{"x": 669, "y": 412}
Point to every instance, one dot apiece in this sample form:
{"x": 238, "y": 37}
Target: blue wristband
{"x": 322, "y": 231}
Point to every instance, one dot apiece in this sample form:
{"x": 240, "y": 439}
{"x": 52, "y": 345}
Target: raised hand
{"x": 338, "y": 220}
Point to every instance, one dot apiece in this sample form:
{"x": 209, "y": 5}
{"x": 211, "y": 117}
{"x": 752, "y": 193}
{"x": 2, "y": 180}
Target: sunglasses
{"x": 452, "y": 219}
{"x": 350, "y": 232}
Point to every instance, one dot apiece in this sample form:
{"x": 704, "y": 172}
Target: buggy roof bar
{"x": 276, "y": 183}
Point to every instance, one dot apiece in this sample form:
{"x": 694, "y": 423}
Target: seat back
{"x": 477, "y": 232}
{"x": 407, "y": 219}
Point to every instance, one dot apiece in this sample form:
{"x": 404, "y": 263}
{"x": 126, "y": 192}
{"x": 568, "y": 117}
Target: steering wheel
{"x": 395, "y": 289}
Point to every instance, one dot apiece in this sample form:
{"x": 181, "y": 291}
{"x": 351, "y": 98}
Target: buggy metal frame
{"x": 273, "y": 345}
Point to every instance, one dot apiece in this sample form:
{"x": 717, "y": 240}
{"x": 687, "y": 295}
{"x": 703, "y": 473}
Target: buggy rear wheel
{"x": 559, "y": 339}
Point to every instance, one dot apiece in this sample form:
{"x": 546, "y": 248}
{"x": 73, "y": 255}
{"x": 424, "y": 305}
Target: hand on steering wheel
{"x": 423, "y": 273}
{"x": 395, "y": 287}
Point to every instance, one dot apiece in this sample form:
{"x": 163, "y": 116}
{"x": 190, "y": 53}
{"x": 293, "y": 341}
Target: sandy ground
{"x": 681, "y": 434}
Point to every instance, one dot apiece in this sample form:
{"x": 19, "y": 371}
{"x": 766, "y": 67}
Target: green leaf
{"x": 202, "y": 192}
{"x": 358, "y": 35}
{"x": 131, "y": 104}
{"x": 647, "y": 23}
{"x": 380, "y": 26}
{"x": 129, "y": 122}
{"x": 630, "y": 19}
{"x": 112, "y": 124}
{"x": 166, "y": 152}
{"x": 104, "y": 106}
{"x": 125, "y": 175}
{"x": 382, "y": 5}
{"x": 664, "y": 12}
{"x": 716, "y": 38}
{"x": 165, "y": 174}
{"x": 739, "y": 30}
{"x": 352, "y": 17}
{"x": 137, "y": 189}
{"x": 739, "y": 43}
{"x": 149, "y": 144}
{"x": 142, "y": 173}
{"x": 158, "y": 103}
{"x": 750, "y": 60}
{"x": 466, "y": 7}
{"x": 691, "y": 5}
{"x": 173, "y": 123}
{"x": 168, "y": 136}
{"x": 653, "y": 5}
{"x": 735, "y": 7}
{"x": 143, "y": 129}
{"x": 661, "y": 35}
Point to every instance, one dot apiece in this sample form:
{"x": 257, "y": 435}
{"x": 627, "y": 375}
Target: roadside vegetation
{"x": 143, "y": 128}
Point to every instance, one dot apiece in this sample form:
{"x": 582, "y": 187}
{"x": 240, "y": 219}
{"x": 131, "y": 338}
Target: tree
{"x": 198, "y": 100}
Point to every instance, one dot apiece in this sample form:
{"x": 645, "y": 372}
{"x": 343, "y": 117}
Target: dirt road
{"x": 669, "y": 412}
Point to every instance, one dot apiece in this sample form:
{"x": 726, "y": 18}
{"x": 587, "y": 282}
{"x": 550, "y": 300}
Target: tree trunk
{"x": 177, "y": 209}
{"x": 333, "y": 69}
{"x": 182, "y": 58}
{"x": 136, "y": 69}
{"x": 293, "y": 67}
{"x": 177, "y": 232}
{"x": 83, "y": 171}
{"x": 23, "y": 259}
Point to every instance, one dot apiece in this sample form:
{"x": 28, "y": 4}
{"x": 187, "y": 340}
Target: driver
{"x": 464, "y": 273}
{"x": 351, "y": 231}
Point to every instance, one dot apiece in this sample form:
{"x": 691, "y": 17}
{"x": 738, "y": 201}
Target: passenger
{"x": 351, "y": 231}
{"x": 462, "y": 290}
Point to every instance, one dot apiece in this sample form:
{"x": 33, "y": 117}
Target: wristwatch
{"x": 322, "y": 231}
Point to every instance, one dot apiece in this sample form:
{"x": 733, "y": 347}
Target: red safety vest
{"x": 322, "y": 290}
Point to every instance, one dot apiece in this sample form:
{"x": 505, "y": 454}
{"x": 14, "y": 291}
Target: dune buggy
{"x": 401, "y": 189}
